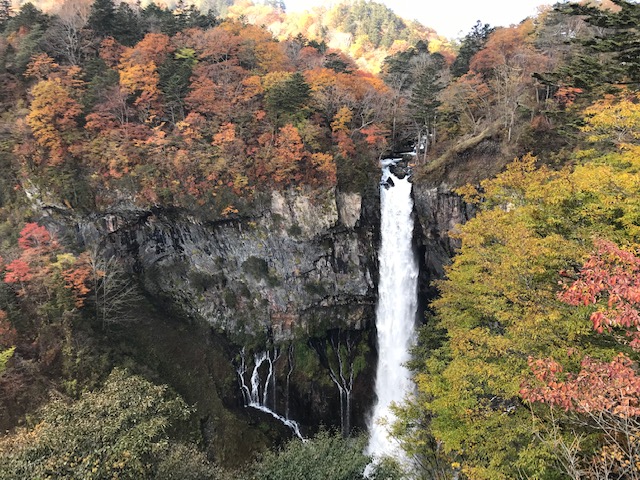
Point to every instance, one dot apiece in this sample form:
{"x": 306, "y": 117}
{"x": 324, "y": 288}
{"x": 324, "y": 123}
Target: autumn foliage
{"x": 43, "y": 267}
{"x": 53, "y": 117}
{"x": 605, "y": 394}
{"x": 199, "y": 118}
{"x": 35, "y": 238}
{"x": 612, "y": 387}
{"x": 610, "y": 279}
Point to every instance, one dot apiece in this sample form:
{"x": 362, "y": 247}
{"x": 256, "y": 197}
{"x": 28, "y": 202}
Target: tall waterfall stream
{"x": 396, "y": 310}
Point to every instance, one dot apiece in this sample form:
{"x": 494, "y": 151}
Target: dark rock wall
{"x": 438, "y": 214}
{"x": 305, "y": 264}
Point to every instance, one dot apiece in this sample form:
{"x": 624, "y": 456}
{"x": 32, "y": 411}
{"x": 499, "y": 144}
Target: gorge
{"x": 301, "y": 277}
{"x": 202, "y": 276}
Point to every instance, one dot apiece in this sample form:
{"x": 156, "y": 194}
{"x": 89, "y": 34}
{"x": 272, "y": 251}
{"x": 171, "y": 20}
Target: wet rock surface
{"x": 402, "y": 168}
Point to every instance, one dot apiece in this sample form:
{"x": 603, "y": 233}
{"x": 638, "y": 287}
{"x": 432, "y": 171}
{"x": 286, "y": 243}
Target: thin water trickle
{"x": 252, "y": 397}
{"x": 396, "y": 311}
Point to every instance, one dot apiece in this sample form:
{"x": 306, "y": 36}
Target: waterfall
{"x": 262, "y": 393}
{"x": 396, "y": 310}
{"x": 288, "y": 386}
{"x": 337, "y": 354}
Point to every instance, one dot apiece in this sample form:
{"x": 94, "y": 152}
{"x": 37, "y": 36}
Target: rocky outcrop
{"x": 305, "y": 263}
{"x": 439, "y": 212}
{"x": 301, "y": 269}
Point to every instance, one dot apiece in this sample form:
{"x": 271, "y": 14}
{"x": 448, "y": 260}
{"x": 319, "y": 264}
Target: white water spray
{"x": 258, "y": 396}
{"x": 396, "y": 310}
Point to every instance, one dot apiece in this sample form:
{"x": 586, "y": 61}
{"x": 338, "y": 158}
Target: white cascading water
{"x": 258, "y": 395}
{"x": 396, "y": 310}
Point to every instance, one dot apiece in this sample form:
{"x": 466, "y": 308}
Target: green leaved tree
{"x": 126, "y": 430}
{"x": 499, "y": 305}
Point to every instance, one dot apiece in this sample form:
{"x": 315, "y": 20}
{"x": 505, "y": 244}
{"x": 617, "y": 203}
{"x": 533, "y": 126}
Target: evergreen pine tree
{"x": 5, "y": 13}
{"x": 620, "y": 36}
{"x": 155, "y": 18}
{"x": 424, "y": 99}
{"x": 127, "y": 26}
{"x": 472, "y": 43}
{"x": 102, "y": 19}
{"x": 424, "y": 95}
{"x": 287, "y": 98}
{"x": 29, "y": 17}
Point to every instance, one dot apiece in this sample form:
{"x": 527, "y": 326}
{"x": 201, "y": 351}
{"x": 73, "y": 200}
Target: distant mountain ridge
{"x": 368, "y": 31}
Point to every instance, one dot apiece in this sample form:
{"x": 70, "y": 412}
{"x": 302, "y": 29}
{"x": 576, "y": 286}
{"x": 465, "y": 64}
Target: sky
{"x": 450, "y": 18}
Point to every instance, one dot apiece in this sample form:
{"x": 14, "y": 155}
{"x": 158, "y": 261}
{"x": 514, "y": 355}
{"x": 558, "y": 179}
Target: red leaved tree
{"x": 43, "y": 273}
{"x": 610, "y": 279}
{"x": 603, "y": 397}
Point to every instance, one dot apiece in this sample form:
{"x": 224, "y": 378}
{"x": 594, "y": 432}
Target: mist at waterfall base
{"x": 396, "y": 310}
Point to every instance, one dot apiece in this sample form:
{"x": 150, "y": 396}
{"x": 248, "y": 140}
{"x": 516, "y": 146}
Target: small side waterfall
{"x": 261, "y": 393}
{"x": 338, "y": 353}
{"x": 342, "y": 377}
{"x": 396, "y": 310}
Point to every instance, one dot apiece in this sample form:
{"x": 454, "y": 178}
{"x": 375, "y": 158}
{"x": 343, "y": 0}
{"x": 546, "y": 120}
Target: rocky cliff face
{"x": 439, "y": 211}
{"x": 297, "y": 279}
{"x": 306, "y": 262}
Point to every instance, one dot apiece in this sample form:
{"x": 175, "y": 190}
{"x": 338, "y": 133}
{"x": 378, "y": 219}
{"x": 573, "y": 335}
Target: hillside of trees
{"x": 367, "y": 31}
{"x": 532, "y": 344}
{"x": 527, "y": 366}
